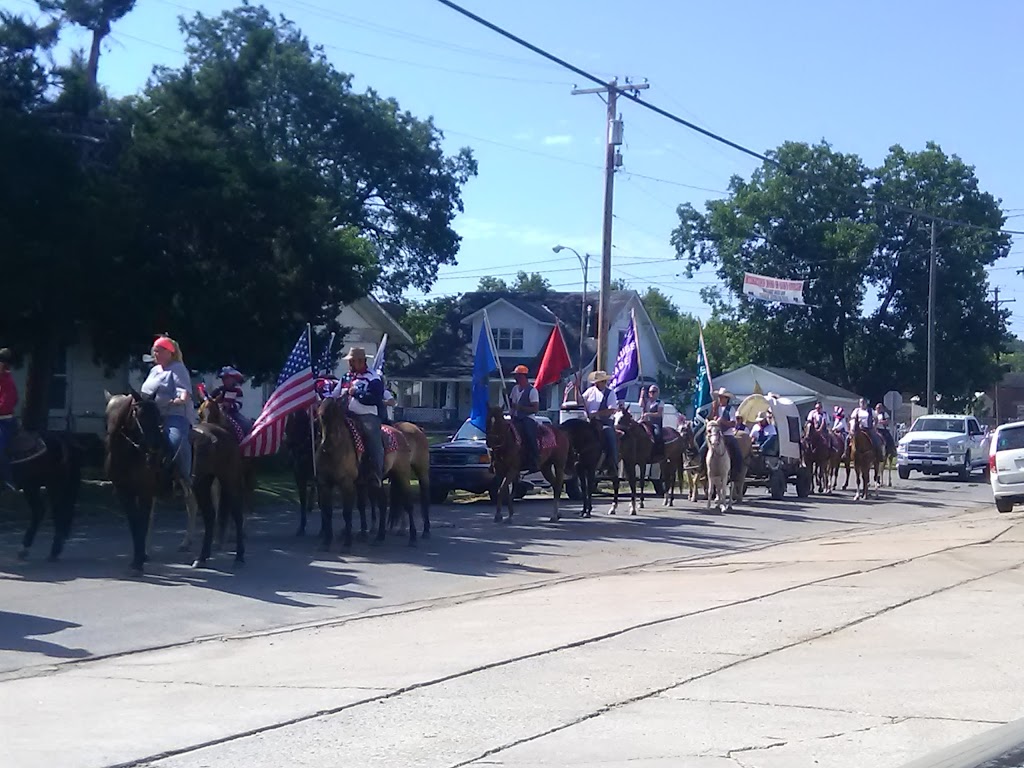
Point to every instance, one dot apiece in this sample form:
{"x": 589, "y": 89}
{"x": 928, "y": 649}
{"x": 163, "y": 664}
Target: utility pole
{"x": 995, "y": 406}
{"x": 931, "y": 325}
{"x": 613, "y": 159}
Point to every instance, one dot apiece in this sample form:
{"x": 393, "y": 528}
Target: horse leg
{"x": 233, "y": 502}
{"x": 203, "y": 492}
{"x": 503, "y": 485}
{"x": 401, "y": 497}
{"x": 217, "y": 499}
{"x": 361, "y": 500}
{"x": 325, "y": 496}
{"x": 35, "y": 504}
{"x": 552, "y": 474}
{"x": 348, "y": 497}
{"x": 615, "y": 490}
{"x": 137, "y": 527}
{"x": 302, "y": 485}
{"x": 424, "y": 484}
{"x": 632, "y": 475}
{"x": 190, "y": 512}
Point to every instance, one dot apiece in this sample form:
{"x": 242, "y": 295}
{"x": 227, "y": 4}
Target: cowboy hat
{"x": 762, "y": 416}
{"x": 723, "y": 392}
{"x": 521, "y": 369}
{"x": 356, "y": 353}
{"x": 229, "y": 370}
{"x": 597, "y": 376}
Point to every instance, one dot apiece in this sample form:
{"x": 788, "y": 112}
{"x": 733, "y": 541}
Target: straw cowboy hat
{"x": 762, "y": 416}
{"x": 597, "y": 376}
{"x": 723, "y": 392}
{"x": 356, "y": 353}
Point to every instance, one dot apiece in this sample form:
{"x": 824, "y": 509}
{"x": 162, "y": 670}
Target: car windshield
{"x": 939, "y": 425}
{"x": 468, "y": 431}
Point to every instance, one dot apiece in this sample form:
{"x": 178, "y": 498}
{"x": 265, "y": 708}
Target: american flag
{"x": 294, "y": 392}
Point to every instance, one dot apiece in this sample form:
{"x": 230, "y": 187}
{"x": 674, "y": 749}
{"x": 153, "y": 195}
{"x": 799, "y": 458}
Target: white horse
{"x": 719, "y": 466}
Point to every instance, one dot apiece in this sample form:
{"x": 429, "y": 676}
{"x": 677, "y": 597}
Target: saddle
{"x": 25, "y": 446}
{"x": 545, "y": 437}
{"x": 240, "y": 430}
{"x": 393, "y": 439}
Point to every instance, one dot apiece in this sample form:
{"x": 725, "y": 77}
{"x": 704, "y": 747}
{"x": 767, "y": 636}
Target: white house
{"x": 435, "y": 388}
{"x": 77, "y": 402}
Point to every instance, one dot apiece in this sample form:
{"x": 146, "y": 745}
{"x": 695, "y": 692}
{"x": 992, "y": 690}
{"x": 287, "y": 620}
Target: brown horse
{"x": 338, "y": 466}
{"x": 694, "y": 471}
{"x": 216, "y": 458}
{"x": 838, "y": 453}
{"x": 587, "y": 452}
{"x": 864, "y": 459}
{"x": 210, "y": 412}
{"x": 815, "y": 450}
{"x": 507, "y": 458}
{"x": 635, "y": 449}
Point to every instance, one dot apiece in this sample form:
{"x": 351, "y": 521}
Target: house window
{"x": 58, "y": 395}
{"x": 508, "y": 339}
{"x": 622, "y": 338}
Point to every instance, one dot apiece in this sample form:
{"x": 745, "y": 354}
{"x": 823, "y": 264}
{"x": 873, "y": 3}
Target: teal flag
{"x": 702, "y": 399}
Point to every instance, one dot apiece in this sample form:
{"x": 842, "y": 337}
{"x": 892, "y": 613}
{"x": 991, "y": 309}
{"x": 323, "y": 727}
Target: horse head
{"x": 622, "y": 418}
{"x": 496, "y": 427}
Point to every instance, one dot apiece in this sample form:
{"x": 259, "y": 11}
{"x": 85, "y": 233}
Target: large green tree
{"x": 851, "y": 232}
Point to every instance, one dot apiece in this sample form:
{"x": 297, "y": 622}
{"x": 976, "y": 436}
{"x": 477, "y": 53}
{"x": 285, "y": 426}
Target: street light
{"x": 584, "y": 264}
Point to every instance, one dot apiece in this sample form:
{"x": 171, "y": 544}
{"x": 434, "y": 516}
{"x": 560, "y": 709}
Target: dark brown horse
{"x": 587, "y": 444}
{"x": 864, "y": 458}
{"x": 210, "y": 412}
{"x": 694, "y": 469}
{"x": 54, "y": 462}
{"x": 635, "y": 449}
{"x": 507, "y": 458}
{"x": 216, "y": 458}
{"x": 299, "y": 443}
{"x": 816, "y": 450}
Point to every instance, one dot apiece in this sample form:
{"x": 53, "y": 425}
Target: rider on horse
{"x": 524, "y": 401}
{"x": 652, "y": 412}
{"x": 8, "y": 422}
{"x": 170, "y": 387}
{"x": 866, "y": 419}
{"x": 882, "y": 423}
{"x": 600, "y": 403}
{"x": 229, "y": 396}
{"x": 365, "y": 389}
{"x": 817, "y": 418}
{"x": 725, "y": 413}
{"x": 839, "y": 425}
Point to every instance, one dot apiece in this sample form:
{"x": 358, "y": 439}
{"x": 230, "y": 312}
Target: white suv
{"x": 1006, "y": 466}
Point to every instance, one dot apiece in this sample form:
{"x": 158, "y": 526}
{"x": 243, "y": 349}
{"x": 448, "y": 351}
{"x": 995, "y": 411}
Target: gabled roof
{"x": 805, "y": 380}
{"x": 375, "y": 312}
{"x": 448, "y": 353}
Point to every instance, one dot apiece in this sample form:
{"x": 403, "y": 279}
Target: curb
{"x": 1001, "y": 747}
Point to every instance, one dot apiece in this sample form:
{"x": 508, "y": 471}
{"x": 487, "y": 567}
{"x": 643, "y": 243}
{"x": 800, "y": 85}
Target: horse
{"x": 888, "y": 459}
{"x": 815, "y": 450}
{"x": 719, "y": 468}
{"x": 211, "y": 412}
{"x": 504, "y": 442}
{"x": 635, "y": 449}
{"x": 338, "y": 466}
{"x": 694, "y": 470}
{"x": 55, "y": 462}
{"x": 864, "y": 458}
{"x": 670, "y": 462}
{"x": 298, "y": 440}
{"x": 838, "y": 452}
{"x": 216, "y": 457}
{"x": 135, "y": 451}
{"x": 587, "y": 444}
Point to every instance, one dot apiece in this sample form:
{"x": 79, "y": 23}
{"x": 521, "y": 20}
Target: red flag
{"x": 555, "y": 360}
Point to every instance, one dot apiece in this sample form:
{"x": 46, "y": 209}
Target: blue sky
{"x": 863, "y": 77}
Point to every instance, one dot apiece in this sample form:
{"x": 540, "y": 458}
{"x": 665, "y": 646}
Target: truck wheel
{"x": 965, "y": 471}
{"x": 572, "y": 489}
{"x": 439, "y": 494}
{"x": 777, "y": 484}
{"x": 904, "y": 472}
{"x": 803, "y": 482}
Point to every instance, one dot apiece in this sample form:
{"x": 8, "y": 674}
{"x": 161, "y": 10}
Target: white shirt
{"x": 593, "y": 398}
{"x": 768, "y": 429}
{"x": 817, "y": 418}
{"x": 354, "y": 406}
{"x": 516, "y": 395}
{"x": 840, "y": 426}
{"x": 863, "y": 415}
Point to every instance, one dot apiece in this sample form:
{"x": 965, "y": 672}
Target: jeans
{"x": 770, "y": 446}
{"x": 7, "y": 429}
{"x": 369, "y": 425}
{"x": 611, "y": 442}
{"x": 177, "y": 429}
{"x": 529, "y": 432}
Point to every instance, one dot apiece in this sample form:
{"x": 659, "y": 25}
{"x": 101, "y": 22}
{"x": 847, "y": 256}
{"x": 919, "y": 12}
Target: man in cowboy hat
{"x": 600, "y": 403}
{"x": 764, "y": 434}
{"x": 365, "y": 390}
{"x": 523, "y": 402}
{"x": 725, "y": 412}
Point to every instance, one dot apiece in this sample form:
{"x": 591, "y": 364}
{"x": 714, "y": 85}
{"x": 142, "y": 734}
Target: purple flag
{"x": 627, "y": 364}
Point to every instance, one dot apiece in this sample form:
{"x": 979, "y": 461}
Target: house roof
{"x": 813, "y": 383}
{"x": 377, "y": 313}
{"x": 447, "y": 355}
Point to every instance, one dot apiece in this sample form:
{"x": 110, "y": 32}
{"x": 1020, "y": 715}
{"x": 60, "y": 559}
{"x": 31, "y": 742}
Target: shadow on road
{"x": 20, "y": 631}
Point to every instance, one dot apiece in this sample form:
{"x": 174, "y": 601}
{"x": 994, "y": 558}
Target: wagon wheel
{"x": 804, "y": 482}
{"x": 777, "y": 484}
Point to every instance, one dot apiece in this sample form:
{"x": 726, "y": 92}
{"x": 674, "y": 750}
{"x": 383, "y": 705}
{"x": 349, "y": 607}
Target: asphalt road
{"x": 85, "y": 606}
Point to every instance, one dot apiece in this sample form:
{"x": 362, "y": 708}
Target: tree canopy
{"x": 532, "y": 282}
{"x": 233, "y": 200}
{"x": 818, "y": 215}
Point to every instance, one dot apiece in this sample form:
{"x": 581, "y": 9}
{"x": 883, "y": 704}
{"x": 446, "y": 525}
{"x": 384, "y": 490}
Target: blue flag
{"x": 702, "y": 399}
{"x": 627, "y": 365}
{"x": 483, "y": 365}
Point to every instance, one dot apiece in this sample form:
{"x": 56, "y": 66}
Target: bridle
{"x": 131, "y": 424}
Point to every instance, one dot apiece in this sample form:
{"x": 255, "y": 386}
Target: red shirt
{"x": 8, "y": 394}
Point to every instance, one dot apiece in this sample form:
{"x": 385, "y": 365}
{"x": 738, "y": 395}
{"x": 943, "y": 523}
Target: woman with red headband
{"x": 170, "y": 386}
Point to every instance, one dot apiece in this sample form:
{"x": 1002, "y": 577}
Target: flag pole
{"x": 312, "y": 430}
{"x": 497, "y": 357}
{"x": 636, "y": 335}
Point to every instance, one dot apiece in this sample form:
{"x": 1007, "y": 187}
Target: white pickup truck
{"x": 943, "y": 443}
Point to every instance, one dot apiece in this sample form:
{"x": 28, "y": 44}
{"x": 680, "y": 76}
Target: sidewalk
{"x": 869, "y": 649}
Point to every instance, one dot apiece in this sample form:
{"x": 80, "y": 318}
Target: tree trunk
{"x": 93, "y": 67}
{"x": 42, "y": 359}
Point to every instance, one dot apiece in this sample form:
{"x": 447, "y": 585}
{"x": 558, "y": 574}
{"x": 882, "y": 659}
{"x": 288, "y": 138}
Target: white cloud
{"x": 560, "y": 139}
